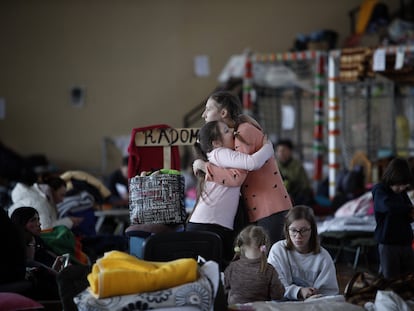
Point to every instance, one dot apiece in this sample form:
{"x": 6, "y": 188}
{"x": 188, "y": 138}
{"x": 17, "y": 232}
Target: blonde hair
{"x": 253, "y": 235}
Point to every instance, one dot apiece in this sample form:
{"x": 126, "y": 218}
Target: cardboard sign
{"x": 166, "y": 137}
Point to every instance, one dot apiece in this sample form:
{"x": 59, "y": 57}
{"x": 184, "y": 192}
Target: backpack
{"x": 350, "y": 185}
{"x": 352, "y": 182}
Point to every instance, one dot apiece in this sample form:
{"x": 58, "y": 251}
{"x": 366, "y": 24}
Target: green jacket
{"x": 295, "y": 177}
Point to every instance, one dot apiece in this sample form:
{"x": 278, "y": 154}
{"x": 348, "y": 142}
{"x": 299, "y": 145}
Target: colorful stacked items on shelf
{"x": 355, "y": 64}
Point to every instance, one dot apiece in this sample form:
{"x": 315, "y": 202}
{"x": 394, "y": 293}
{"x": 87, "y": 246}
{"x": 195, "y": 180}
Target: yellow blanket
{"x": 118, "y": 273}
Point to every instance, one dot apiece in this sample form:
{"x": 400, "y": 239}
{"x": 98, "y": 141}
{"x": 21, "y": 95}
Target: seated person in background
{"x": 294, "y": 175}
{"x": 249, "y": 277}
{"x": 42, "y": 277}
{"x": 117, "y": 183}
{"x": 305, "y": 268}
{"x": 27, "y": 218}
{"x": 12, "y": 260}
{"x": 52, "y": 280}
{"x": 43, "y": 197}
{"x": 85, "y": 194}
{"x": 77, "y": 181}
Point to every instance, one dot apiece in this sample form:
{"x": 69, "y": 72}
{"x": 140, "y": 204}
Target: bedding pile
{"x": 118, "y": 273}
{"x": 197, "y": 295}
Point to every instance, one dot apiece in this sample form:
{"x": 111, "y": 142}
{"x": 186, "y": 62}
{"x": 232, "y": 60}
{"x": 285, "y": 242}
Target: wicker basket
{"x": 157, "y": 199}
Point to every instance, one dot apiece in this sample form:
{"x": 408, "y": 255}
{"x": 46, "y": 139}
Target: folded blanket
{"x": 118, "y": 273}
{"x": 197, "y": 295}
{"x": 76, "y": 203}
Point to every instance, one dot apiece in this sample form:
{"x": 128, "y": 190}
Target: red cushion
{"x": 13, "y": 302}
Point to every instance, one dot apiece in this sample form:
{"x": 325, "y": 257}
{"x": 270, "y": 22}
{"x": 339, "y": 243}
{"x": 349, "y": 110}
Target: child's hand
{"x": 306, "y": 292}
{"x": 199, "y": 165}
{"x": 76, "y": 220}
{"x": 266, "y": 141}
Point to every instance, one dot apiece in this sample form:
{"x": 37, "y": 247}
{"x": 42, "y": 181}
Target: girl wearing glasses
{"x": 305, "y": 268}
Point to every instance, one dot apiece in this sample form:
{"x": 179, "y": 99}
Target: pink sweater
{"x": 218, "y": 202}
{"x": 263, "y": 190}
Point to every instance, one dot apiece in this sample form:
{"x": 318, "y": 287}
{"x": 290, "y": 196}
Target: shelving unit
{"x": 363, "y": 114}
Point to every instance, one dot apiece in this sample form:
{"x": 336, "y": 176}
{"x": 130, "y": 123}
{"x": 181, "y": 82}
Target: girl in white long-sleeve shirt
{"x": 305, "y": 268}
{"x": 217, "y": 204}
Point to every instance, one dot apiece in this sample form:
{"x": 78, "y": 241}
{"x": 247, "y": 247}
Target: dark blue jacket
{"x": 393, "y": 216}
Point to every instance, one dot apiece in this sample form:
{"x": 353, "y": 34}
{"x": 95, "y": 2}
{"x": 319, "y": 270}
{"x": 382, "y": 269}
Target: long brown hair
{"x": 300, "y": 212}
{"x": 208, "y": 133}
{"x": 230, "y": 102}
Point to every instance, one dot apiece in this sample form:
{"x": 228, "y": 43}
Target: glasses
{"x": 302, "y": 232}
{"x": 33, "y": 244}
{"x": 34, "y": 219}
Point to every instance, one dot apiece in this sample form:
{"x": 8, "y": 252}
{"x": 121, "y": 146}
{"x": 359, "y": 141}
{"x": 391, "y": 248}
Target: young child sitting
{"x": 249, "y": 277}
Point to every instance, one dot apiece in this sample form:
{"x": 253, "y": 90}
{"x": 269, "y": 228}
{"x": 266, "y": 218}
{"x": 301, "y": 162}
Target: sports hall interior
{"x": 79, "y": 76}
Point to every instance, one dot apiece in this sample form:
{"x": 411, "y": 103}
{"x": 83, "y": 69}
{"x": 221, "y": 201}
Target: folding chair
{"x": 185, "y": 244}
